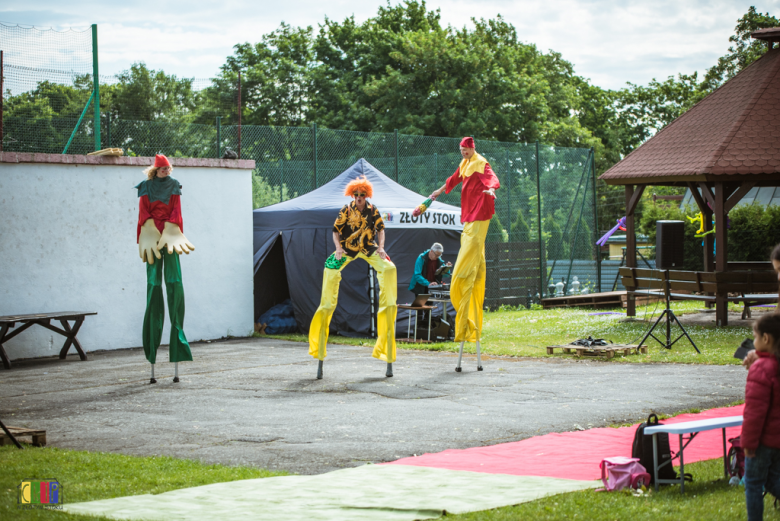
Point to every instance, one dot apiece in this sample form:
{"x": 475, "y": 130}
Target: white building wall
{"x": 68, "y": 243}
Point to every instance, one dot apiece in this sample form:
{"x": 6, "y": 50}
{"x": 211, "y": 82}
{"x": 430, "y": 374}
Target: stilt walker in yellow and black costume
{"x": 478, "y": 195}
{"x": 358, "y": 233}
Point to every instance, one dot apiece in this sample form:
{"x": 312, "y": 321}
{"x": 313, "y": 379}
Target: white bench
{"x": 692, "y": 429}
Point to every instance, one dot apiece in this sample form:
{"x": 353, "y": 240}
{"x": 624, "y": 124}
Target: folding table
{"x": 692, "y": 429}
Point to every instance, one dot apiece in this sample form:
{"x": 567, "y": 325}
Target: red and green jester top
{"x": 160, "y": 199}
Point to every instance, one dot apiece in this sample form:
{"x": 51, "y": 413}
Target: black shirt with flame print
{"x": 357, "y": 230}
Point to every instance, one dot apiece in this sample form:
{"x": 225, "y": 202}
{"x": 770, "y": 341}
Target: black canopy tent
{"x": 292, "y": 239}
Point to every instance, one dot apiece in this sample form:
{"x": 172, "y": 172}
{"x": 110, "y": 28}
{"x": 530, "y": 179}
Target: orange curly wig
{"x": 361, "y": 184}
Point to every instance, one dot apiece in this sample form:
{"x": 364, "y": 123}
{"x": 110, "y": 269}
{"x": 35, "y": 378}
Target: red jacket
{"x": 160, "y": 212}
{"x": 474, "y": 204}
{"x": 761, "y": 423}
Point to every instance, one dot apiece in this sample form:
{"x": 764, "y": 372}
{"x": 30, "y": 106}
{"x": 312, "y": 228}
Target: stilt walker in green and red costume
{"x": 160, "y": 224}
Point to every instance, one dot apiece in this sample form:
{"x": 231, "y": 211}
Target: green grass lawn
{"x": 527, "y": 333}
{"x": 86, "y": 476}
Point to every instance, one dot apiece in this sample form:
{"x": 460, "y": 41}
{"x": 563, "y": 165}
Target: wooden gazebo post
{"x": 633, "y": 195}
{"x": 721, "y": 251}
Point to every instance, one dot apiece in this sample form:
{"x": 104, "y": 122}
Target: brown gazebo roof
{"x": 733, "y": 131}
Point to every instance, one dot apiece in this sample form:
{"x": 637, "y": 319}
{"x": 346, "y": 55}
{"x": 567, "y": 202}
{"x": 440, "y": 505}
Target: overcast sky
{"x": 610, "y": 42}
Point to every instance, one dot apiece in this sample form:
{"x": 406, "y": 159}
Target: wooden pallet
{"x": 38, "y": 436}
{"x": 608, "y": 351}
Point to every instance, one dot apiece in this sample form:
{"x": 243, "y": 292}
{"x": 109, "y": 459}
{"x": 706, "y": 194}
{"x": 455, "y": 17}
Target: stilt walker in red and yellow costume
{"x": 160, "y": 224}
{"x": 358, "y": 233}
{"x": 478, "y": 195}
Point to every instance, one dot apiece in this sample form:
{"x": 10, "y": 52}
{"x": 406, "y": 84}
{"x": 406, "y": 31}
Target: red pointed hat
{"x": 160, "y": 160}
{"x": 467, "y": 142}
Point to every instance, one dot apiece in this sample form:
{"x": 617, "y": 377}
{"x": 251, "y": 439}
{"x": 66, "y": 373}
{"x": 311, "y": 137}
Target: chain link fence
{"x": 545, "y": 218}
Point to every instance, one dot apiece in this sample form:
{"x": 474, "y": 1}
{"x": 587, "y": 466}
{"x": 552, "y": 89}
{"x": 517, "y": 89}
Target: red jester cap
{"x": 467, "y": 142}
{"x": 160, "y": 161}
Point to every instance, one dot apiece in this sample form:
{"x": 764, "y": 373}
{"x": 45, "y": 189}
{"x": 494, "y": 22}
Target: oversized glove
{"x": 175, "y": 240}
{"x": 147, "y": 242}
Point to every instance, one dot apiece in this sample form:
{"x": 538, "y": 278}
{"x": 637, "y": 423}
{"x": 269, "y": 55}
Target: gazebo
{"x": 721, "y": 148}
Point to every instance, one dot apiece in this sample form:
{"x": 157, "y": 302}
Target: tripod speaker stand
{"x": 670, "y": 317}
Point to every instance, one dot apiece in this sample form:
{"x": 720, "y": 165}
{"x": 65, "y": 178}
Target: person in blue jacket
{"x": 425, "y": 269}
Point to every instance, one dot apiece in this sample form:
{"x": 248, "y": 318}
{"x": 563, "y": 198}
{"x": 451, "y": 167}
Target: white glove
{"x": 175, "y": 240}
{"x": 147, "y": 242}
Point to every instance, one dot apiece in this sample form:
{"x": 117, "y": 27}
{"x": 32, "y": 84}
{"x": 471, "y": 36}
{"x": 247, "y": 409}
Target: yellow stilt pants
{"x": 467, "y": 291}
{"x": 385, "y": 322}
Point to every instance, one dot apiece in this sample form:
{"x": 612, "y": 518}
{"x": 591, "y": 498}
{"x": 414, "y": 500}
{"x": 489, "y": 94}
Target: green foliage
{"x": 555, "y": 247}
{"x": 264, "y": 194}
{"x": 650, "y": 108}
{"x": 519, "y": 231}
{"x": 754, "y": 231}
{"x": 496, "y": 232}
{"x": 583, "y": 242}
{"x": 402, "y": 70}
{"x": 143, "y": 94}
{"x": 693, "y": 259}
{"x": 744, "y": 51}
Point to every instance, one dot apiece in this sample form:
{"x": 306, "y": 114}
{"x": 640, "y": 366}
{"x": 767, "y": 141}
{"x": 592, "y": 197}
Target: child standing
{"x": 761, "y": 425}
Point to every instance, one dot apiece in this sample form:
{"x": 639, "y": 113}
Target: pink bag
{"x": 623, "y": 472}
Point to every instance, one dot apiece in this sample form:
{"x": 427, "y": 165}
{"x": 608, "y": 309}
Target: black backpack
{"x": 643, "y": 449}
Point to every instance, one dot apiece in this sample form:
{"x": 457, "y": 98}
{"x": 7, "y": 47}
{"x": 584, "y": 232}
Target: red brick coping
{"x": 22, "y": 157}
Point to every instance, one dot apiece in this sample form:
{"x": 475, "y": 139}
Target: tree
{"x": 143, "y": 94}
{"x": 520, "y": 231}
{"x": 276, "y": 84}
{"x": 556, "y": 249}
{"x": 496, "y": 232}
{"x": 264, "y": 194}
{"x": 744, "y": 51}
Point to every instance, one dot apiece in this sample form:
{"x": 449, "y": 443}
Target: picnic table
{"x": 691, "y": 428}
{"x": 44, "y": 319}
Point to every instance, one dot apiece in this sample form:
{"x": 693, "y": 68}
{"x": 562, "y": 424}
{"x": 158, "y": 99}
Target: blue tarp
{"x": 279, "y": 319}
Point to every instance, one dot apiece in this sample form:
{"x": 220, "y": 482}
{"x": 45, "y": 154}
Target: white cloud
{"x": 610, "y": 42}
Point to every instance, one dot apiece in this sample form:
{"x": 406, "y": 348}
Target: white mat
{"x": 370, "y": 492}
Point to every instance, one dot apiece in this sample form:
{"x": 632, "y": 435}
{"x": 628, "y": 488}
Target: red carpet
{"x": 573, "y": 455}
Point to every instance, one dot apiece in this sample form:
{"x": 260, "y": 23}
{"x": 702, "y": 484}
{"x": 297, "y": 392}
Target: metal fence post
{"x": 595, "y": 218}
{"x": 579, "y": 220}
{"x": 108, "y": 130}
{"x": 239, "y": 114}
{"x": 509, "y": 198}
{"x": 1, "y": 101}
{"x": 396, "y": 154}
{"x": 219, "y": 137}
{"x": 314, "y": 134}
{"x": 96, "y": 85}
{"x": 542, "y": 254}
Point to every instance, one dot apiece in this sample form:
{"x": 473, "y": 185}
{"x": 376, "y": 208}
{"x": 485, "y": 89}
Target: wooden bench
{"x": 753, "y": 287}
{"x": 44, "y": 319}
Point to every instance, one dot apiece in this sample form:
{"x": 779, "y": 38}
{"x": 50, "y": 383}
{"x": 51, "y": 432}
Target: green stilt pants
{"x": 154, "y": 318}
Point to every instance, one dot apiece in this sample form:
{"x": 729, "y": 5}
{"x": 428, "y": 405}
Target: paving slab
{"x": 257, "y": 402}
